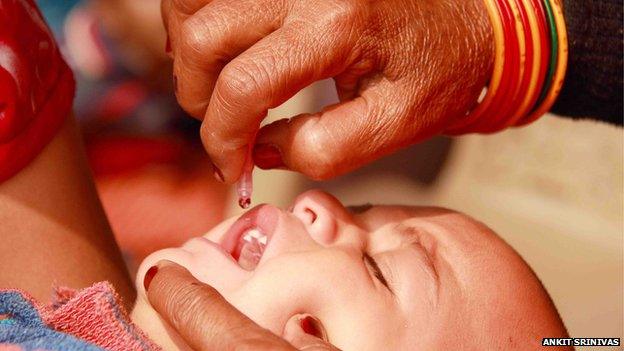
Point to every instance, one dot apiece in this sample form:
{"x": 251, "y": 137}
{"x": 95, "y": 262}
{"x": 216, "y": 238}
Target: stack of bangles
{"x": 531, "y": 55}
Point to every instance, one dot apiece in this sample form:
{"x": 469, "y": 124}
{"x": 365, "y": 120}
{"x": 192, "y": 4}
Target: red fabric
{"x": 36, "y": 86}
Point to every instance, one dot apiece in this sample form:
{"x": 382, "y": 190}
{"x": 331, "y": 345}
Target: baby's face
{"x": 378, "y": 278}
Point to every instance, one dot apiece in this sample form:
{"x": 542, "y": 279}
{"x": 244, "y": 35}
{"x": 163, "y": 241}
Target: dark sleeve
{"x": 593, "y": 84}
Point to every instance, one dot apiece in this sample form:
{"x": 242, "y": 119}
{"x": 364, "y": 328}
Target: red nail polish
{"x": 267, "y": 156}
{"x": 311, "y": 326}
{"x": 149, "y": 276}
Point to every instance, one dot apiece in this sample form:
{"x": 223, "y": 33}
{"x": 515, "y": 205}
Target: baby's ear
{"x": 306, "y": 332}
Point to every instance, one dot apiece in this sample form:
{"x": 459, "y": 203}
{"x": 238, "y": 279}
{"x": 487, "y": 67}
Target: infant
{"x": 377, "y": 277}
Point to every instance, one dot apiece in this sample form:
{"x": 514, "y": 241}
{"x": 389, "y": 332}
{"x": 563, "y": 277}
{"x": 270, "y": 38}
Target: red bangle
{"x": 512, "y": 102}
{"x": 36, "y": 86}
{"x": 511, "y": 69}
{"x": 526, "y": 52}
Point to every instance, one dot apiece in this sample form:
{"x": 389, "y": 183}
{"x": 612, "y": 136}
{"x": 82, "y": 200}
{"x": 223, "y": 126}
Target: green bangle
{"x": 554, "y": 47}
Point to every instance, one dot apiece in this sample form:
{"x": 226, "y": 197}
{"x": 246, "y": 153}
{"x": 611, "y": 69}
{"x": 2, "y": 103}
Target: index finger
{"x": 264, "y": 77}
{"x": 202, "y": 317}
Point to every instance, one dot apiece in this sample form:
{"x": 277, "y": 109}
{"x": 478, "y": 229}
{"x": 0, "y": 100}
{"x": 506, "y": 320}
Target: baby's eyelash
{"x": 376, "y": 271}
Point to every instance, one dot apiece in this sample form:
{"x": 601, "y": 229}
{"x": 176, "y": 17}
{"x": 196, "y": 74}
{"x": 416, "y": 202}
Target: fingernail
{"x": 312, "y": 326}
{"x": 168, "y": 46}
{"x": 267, "y": 156}
{"x": 149, "y": 276}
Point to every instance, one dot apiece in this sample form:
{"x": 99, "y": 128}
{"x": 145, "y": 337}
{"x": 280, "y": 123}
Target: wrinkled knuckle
{"x": 194, "y": 38}
{"x": 342, "y": 12}
{"x": 341, "y": 23}
{"x": 237, "y": 83}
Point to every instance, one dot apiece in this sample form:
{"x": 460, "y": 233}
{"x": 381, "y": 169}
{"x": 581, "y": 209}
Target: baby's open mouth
{"x": 250, "y": 248}
{"x": 248, "y": 237}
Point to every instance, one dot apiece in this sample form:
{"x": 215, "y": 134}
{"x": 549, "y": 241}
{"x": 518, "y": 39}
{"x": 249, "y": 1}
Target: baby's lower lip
{"x": 262, "y": 217}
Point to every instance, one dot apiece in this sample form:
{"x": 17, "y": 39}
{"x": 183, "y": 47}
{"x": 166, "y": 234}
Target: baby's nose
{"x": 321, "y": 214}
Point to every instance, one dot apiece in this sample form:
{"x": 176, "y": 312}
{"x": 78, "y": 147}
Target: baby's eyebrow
{"x": 359, "y": 209}
{"x": 412, "y": 237}
{"x": 408, "y": 233}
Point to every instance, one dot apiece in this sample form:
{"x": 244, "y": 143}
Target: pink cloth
{"x": 95, "y": 314}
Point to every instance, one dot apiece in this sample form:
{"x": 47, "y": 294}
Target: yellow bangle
{"x": 532, "y": 92}
{"x": 562, "y": 63}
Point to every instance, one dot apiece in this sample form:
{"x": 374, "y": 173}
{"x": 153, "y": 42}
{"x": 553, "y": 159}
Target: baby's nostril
{"x": 311, "y": 215}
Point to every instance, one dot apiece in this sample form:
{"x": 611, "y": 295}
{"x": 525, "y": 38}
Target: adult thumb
{"x": 334, "y": 141}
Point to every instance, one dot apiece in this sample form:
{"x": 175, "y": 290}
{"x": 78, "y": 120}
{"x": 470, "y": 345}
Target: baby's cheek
{"x": 272, "y": 296}
{"x": 296, "y": 284}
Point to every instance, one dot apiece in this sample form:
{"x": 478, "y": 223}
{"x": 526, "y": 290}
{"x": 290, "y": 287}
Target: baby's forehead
{"x": 455, "y": 234}
{"x": 377, "y": 216}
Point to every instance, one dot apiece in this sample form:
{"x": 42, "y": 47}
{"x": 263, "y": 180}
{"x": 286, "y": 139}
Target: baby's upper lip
{"x": 264, "y": 217}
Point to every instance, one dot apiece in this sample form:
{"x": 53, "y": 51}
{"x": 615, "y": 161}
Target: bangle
{"x": 545, "y": 40}
{"x": 533, "y": 51}
{"x": 561, "y": 63}
{"x": 510, "y": 62}
{"x": 554, "y": 45}
{"x": 495, "y": 15}
{"x": 531, "y": 82}
{"x": 509, "y": 101}
{"x": 515, "y": 59}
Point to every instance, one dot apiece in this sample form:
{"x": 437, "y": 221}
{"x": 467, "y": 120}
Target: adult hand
{"x": 206, "y": 321}
{"x": 405, "y": 70}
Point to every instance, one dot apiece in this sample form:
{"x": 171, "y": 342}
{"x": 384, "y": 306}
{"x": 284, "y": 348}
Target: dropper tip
{"x": 244, "y": 202}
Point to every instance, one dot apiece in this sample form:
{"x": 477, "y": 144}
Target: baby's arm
{"x": 53, "y": 229}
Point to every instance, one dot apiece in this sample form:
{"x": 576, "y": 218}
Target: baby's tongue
{"x": 253, "y": 244}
